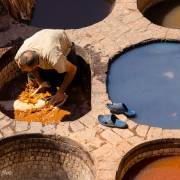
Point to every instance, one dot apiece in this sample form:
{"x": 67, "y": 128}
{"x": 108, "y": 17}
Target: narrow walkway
{"x": 123, "y": 28}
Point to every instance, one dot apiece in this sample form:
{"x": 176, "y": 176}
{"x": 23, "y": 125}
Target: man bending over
{"x": 45, "y": 56}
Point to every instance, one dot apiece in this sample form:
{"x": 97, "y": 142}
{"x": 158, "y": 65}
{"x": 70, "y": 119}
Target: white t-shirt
{"x": 51, "y": 45}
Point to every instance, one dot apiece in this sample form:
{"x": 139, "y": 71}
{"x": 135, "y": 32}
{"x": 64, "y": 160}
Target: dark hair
{"x": 28, "y": 58}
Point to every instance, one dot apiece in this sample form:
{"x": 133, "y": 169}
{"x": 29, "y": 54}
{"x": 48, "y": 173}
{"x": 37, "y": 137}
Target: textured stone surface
{"x": 63, "y": 129}
{"x": 7, "y": 131}
{"x": 154, "y": 133}
{"x": 105, "y": 153}
{"x": 131, "y": 124}
{"x": 124, "y": 146}
{"x": 142, "y": 130}
{"x": 124, "y": 133}
{"x": 49, "y": 129}
{"x": 171, "y": 133}
{"x": 76, "y": 126}
{"x": 124, "y": 27}
{"x": 21, "y": 126}
{"x": 111, "y": 137}
{"x": 35, "y": 127}
{"x": 5, "y": 122}
{"x": 88, "y": 121}
{"x": 2, "y": 115}
{"x": 94, "y": 143}
{"x": 135, "y": 140}
{"x": 105, "y": 175}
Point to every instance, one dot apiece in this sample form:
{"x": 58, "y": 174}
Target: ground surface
{"x": 123, "y": 28}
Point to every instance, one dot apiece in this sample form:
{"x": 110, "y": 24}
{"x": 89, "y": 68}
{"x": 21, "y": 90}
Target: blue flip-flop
{"x": 121, "y": 108}
{"x": 111, "y": 121}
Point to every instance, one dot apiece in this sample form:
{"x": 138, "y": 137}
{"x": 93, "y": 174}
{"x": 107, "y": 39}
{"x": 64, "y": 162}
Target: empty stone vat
{"x": 40, "y": 157}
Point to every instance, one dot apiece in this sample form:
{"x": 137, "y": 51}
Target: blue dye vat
{"x": 147, "y": 78}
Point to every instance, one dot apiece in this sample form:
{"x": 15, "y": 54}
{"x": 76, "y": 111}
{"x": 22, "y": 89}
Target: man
{"x": 48, "y": 51}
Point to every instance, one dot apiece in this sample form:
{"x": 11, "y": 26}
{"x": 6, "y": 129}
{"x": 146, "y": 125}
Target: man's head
{"x": 28, "y": 61}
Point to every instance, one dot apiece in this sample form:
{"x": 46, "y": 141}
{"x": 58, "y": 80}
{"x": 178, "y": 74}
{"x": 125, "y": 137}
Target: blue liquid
{"x": 67, "y": 14}
{"x": 147, "y": 79}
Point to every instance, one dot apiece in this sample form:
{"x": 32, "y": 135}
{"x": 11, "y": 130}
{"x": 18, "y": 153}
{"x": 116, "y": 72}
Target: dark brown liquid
{"x": 165, "y": 168}
{"x": 165, "y": 13}
{"x": 67, "y": 14}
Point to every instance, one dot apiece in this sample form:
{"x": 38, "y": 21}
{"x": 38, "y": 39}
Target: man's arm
{"x": 42, "y": 84}
{"x": 70, "y": 73}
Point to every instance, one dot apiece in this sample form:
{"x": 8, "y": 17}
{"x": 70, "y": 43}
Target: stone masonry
{"x": 124, "y": 27}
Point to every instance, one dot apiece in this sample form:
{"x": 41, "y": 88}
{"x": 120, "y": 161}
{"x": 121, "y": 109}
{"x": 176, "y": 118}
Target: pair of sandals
{"x": 111, "y": 120}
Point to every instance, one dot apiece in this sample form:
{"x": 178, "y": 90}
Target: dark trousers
{"x": 54, "y": 78}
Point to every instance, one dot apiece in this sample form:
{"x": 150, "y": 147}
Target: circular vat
{"x": 40, "y": 157}
{"x": 157, "y": 160}
{"x": 147, "y": 79}
{"x": 161, "y": 12}
{"x": 69, "y": 14}
{"x": 1, "y": 7}
{"x": 13, "y": 86}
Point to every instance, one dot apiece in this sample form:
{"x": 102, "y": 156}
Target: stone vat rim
{"x": 126, "y": 50}
{"x": 162, "y": 142}
{"x": 54, "y": 138}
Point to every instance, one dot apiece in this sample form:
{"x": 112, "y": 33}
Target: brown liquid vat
{"x": 165, "y": 13}
{"x": 149, "y": 152}
{"x": 64, "y": 14}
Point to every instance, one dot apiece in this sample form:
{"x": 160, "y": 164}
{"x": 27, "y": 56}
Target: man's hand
{"x": 58, "y": 98}
{"x": 41, "y": 87}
